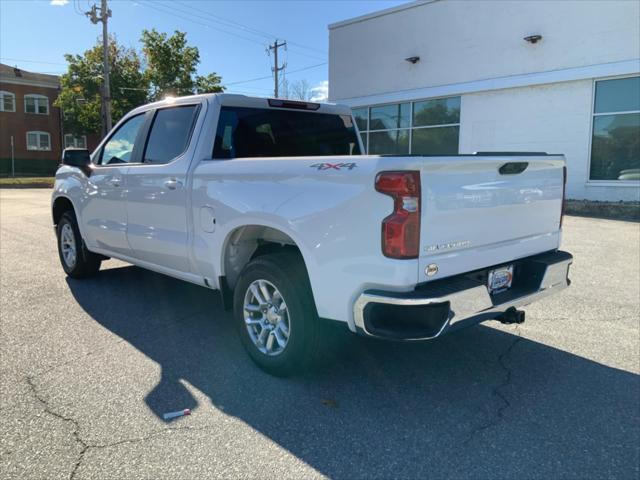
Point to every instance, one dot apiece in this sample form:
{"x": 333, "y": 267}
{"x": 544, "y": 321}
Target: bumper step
{"x": 435, "y": 307}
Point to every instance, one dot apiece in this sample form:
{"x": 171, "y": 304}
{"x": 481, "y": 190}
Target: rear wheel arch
{"x": 247, "y": 242}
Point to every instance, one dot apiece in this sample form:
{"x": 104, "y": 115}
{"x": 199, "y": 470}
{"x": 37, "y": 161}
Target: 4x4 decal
{"x": 333, "y": 166}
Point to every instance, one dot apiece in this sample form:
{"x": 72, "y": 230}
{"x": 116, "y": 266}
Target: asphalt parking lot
{"x": 88, "y": 368}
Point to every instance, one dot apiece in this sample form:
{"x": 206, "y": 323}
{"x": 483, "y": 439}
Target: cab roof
{"x": 235, "y": 100}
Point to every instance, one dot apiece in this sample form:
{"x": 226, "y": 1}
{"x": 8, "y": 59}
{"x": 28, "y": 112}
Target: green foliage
{"x": 82, "y": 84}
{"x": 170, "y": 69}
{"x": 208, "y": 84}
{"x": 172, "y": 65}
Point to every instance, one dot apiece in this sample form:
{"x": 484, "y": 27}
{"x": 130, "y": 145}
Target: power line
{"x": 271, "y": 76}
{"x": 77, "y": 8}
{"x": 162, "y": 8}
{"x": 255, "y": 31}
{"x": 229, "y": 23}
{"x": 250, "y": 80}
{"x": 213, "y": 24}
{"x": 306, "y": 68}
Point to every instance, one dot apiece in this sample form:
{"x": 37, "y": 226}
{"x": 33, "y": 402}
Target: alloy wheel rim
{"x": 68, "y": 244}
{"x": 266, "y": 317}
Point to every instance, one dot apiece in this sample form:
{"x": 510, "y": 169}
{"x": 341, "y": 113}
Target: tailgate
{"x": 480, "y": 211}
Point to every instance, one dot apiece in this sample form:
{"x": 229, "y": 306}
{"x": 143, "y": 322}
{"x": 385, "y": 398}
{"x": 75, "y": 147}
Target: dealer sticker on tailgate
{"x": 500, "y": 279}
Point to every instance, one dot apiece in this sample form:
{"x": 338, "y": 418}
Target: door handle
{"x": 173, "y": 184}
{"x": 115, "y": 181}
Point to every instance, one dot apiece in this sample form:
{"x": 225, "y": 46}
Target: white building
{"x": 476, "y": 84}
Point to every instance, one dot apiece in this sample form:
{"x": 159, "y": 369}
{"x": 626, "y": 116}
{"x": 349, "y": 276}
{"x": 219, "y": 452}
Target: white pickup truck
{"x": 272, "y": 203}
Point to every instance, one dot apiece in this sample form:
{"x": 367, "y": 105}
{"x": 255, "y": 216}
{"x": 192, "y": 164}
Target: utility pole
{"x": 275, "y": 69}
{"x": 105, "y": 13}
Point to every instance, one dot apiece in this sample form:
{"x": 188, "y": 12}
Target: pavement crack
{"x": 76, "y": 426}
{"x": 145, "y": 438}
{"x": 86, "y": 446}
{"x": 497, "y": 391}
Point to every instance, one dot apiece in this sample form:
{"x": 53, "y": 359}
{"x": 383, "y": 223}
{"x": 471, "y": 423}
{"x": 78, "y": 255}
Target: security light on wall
{"x": 533, "y": 38}
{"x": 413, "y": 60}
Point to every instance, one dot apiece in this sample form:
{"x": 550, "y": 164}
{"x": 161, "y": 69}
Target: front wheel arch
{"x": 61, "y": 205}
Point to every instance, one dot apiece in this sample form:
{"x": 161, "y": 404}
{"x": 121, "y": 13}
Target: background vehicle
{"x": 271, "y": 203}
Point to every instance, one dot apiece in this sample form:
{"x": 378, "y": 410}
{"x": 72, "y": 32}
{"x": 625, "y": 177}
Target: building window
{"x": 36, "y": 104}
{"x": 75, "y": 141}
{"x": 362, "y": 118}
{"x": 38, "y": 141}
{"x": 429, "y": 127}
{"x": 7, "y": 102}
{"x": 615, "y": 141}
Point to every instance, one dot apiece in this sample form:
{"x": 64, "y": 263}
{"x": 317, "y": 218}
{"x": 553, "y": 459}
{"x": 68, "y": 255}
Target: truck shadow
{"x": 476, "y": 403}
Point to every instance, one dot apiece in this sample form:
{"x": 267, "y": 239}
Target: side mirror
{"x": 76, "y": 157}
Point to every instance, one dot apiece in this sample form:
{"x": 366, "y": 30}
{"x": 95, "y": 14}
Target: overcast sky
{"x": 231, "y": 35}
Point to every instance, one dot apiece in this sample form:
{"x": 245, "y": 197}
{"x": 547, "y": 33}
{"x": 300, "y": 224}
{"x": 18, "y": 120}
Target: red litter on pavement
{"x": 179, "y": 413}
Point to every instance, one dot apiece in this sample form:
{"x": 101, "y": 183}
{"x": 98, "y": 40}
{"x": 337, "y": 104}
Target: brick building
{"x": 30, "y": 126}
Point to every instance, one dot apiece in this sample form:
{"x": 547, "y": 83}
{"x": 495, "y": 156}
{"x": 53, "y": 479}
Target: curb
{"x": 629, "y": 211}
{"x": 26, "y": 185}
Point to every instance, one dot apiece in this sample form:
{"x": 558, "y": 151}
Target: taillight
{"x": 564, "y": 193}
{"x": 401, "y": 229}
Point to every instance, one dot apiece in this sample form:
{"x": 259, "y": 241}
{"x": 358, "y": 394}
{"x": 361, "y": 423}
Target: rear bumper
{"x": 436, "y": 307}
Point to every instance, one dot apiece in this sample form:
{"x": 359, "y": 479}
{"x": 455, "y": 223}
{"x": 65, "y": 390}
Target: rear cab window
{"x": 261, "y": 132}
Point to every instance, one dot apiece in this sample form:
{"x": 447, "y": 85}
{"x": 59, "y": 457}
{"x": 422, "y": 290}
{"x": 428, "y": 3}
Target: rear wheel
{"x": 77, "y": 261}
{"x": 275, "y": 314}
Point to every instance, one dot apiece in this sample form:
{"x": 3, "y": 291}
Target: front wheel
{"x": 275, "y": 314}
{"x": 77, "y": 261}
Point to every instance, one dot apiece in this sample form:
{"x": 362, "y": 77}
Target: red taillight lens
{"x": 564, "y": 193}
{"x": 401, "y": 229}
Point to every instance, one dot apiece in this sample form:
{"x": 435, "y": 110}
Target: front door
{"x": 157, "y": 191}
{"x": 104, "y": 211}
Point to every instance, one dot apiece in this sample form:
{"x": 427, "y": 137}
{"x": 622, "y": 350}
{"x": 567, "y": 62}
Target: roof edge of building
{"x": 380, "y": 13}
{"x": 20, "y": 76}
{"x": 604, "y": 70}
{"x": 29, "y": 83}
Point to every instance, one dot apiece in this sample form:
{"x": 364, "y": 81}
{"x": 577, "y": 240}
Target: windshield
{"x": 261, "y": 132}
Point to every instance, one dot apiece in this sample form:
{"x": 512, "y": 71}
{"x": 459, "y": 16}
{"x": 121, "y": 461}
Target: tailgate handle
{"x": 513, "y": 168}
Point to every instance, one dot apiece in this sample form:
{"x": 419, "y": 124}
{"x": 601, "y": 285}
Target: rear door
{"x": 479, "y": 211}
{"x": 157, "y": 190}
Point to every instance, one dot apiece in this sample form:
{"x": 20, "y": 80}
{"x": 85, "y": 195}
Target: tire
{"x": 285, "y": 273}
{"x": 76, "y": 260}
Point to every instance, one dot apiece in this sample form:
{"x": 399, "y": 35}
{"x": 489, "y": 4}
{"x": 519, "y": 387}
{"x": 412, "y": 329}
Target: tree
{"x": 208, "y": 84}
{"x": 172, "y": 65}
{"x": 298, "y": 90}
{"x": 81, "y": 86}
{"x": 170, "y": 70}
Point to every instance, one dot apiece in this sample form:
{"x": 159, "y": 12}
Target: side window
{"x": 170, "y": 134}
{"x": 119, "y": 148}
{"x": 223, "y": 146}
